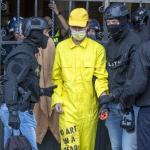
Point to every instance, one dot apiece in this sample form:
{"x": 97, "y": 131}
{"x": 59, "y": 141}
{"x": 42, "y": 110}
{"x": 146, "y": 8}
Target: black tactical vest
{"x": 31, "y": 81}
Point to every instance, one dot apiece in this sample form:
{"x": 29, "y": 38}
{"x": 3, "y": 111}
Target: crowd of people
{"x": 68, "y": 88}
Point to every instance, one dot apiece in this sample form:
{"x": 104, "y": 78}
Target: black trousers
{"x": 143, "y": 129}
{"x": 102, "y": 138}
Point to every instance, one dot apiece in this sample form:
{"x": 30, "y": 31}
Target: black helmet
{"x": 94, "y": 24}
{"x": 139, "y": 16}
{"x": 116, "y": 10}
{"x": 34, "y": 23}
{"x": 15, "y": 24}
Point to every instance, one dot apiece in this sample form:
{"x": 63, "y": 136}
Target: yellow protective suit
{"x": 80, "y": 73}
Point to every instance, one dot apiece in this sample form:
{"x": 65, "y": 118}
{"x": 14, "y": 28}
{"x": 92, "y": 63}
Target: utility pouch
{"x": 128, "y": 121}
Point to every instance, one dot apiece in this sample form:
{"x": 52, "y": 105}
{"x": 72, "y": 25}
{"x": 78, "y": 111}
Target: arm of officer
{"x": 132, "y": 85}
{"x": 57, "y": 80}
{"x": 138, "y": 76}
{"x": 100, "y": 72}
{"x": 15, "y": 73}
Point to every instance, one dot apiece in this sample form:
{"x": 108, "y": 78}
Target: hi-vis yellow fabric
{"x": 81, "y": 76}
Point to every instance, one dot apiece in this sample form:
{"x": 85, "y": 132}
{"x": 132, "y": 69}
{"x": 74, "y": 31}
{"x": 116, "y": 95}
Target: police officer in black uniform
{"x": 138, "y": 86}
{"x": 21, "y": 82}
{"x": 120, "y": 52}
{"x": 139, "y": 19}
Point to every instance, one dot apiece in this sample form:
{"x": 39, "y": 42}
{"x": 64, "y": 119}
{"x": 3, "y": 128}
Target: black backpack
{"x": 17, "y": 142}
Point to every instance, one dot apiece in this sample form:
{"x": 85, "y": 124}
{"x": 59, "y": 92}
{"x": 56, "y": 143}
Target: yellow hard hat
{"x": 78, "y": 17}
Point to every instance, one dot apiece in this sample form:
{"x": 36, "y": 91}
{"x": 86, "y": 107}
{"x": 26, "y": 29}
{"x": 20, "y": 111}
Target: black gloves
{"x": 115, "y": 95}
{"x": 14, "y": 120}
{"x": 47, "y": 91}
{"x": 105, "y": 99}
{"x": 104, "y": 112}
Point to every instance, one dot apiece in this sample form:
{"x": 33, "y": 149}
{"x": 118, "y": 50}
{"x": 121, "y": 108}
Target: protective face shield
{"x": 78, "y": 35}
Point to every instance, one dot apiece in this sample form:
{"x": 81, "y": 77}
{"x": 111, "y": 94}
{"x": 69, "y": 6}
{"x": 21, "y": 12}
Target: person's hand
{"x": 105, "y": 99}
{"x": 104, "y": 112}
{"x": 53, "y": 7}
{"x": 47, "y": 91}
{"x": 14, "y": 120}
{"x": 58, "y": 108}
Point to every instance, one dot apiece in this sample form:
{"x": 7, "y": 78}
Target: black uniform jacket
{"x": 21, "y": 70}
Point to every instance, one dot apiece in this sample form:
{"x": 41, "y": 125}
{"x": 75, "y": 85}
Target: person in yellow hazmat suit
{"x": 79, "y": 71}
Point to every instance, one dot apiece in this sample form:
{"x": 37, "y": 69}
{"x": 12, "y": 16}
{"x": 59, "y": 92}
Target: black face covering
{"x": 116, "y": 31}
{"x": 38, "y": 38}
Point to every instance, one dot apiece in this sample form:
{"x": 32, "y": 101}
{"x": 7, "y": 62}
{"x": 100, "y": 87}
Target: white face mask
{"x": 78, "y": 35}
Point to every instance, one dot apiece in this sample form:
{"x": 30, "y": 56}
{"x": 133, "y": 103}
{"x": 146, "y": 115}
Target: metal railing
{"x": 2, "y": 32}
{"x": 107, "y": 1}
